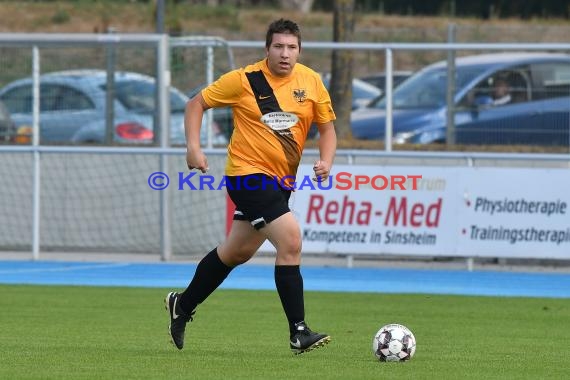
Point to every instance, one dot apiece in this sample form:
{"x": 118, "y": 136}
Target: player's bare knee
{"x": 233, "y": 256}
{"x": 290, "y": 245}
{"x": 296, "y": 244}
{"x": 235, "y": 259}
{"x": 289, "y": 251}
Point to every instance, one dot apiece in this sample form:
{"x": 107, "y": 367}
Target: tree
{"x": 303, "y": 6}
{"x": 341, "y": 72}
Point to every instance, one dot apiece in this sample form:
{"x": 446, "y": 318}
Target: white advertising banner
{"x": 366, "y": 209}
{"x": 515, "y": 213}
{"x": 435, "y": 211}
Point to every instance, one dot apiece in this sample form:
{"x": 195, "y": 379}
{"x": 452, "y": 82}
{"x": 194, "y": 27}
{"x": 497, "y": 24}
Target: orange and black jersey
{"x": 255, "y": 146}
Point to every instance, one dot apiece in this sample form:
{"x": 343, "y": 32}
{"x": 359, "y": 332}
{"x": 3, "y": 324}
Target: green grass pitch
{"x": 56, "y": 332}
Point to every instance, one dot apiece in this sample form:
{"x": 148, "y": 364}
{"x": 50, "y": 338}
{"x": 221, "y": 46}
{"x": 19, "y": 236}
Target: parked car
{"x": 362, "y": 92}
{"x": 379, "y": 79}
{"x": 7, "y": 126}
{"x": 222, "y": 116}
{"x": 538, "y": 111}
{"x": 73, "y": 107}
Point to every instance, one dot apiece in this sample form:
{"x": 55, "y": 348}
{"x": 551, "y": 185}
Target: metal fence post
{"x": 450, "y": 95}
{"x": 388, "y": 97}
{"x": 210, "y": 79}
{"x": 36, "y": 202}
{"x": 110, "y": 93}
{"x": 163, "y": 80}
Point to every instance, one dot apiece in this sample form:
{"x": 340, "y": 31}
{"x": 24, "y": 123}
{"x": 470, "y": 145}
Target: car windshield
{"x": 427, "y": 89}
{"x": 138, "y": 96}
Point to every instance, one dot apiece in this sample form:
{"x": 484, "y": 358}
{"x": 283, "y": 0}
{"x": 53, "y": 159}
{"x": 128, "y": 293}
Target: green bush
{"x": 61, "y": 16}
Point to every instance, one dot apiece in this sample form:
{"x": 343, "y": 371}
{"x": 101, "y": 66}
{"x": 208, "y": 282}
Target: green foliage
{"x": 76, "y": 1}
{"x": 223, "y": 16}
{"x": 525, "y": 9}
{"x": 53, "y": 332}
{"x": 61, "y": 16}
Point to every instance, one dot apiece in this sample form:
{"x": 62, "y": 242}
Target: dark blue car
{"x": 503, "y": 98}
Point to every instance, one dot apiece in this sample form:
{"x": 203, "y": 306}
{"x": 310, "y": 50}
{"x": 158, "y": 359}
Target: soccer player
{"x": 274, "y": 103}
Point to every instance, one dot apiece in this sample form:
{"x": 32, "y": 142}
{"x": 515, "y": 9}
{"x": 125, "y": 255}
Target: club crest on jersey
{"x": 300, "y": 95}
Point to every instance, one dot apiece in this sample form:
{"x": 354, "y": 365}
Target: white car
{"x": 73, "y": 108}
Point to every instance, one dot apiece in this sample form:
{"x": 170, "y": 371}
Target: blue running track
{"x": 252, "y": 276}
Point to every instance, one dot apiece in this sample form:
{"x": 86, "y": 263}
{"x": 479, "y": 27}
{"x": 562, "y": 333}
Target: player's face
{"x": 282, "y": 54}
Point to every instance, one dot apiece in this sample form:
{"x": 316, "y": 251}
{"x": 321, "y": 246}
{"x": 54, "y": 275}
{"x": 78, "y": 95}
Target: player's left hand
{"x": 322, "y": 170}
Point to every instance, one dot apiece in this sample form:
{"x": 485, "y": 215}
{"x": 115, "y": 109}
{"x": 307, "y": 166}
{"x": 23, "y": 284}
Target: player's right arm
{"x": 225, "y": 91}
{"x": 195, "y": 158}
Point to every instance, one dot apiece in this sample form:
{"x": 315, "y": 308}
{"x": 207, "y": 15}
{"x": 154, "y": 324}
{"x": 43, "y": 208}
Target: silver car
{"x": 362, "y": 92}
{"x": 73, "y": 108}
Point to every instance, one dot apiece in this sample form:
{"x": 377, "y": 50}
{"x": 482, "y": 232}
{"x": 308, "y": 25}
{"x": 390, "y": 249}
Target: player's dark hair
{"x": 282, "y": 26}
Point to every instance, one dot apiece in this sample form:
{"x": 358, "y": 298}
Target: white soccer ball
{"x": 394, "y": 343}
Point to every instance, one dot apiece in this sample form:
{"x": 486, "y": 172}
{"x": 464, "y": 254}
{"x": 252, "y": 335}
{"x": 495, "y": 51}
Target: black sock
{"x": 289, "y": 285}
{"x": 210, "y": 273}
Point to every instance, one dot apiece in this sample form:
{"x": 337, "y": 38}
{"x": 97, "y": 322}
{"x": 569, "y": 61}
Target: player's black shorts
{"x": 258, "y": 198}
